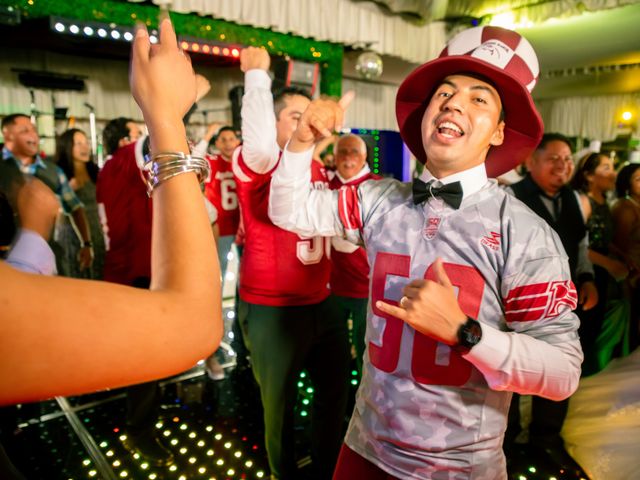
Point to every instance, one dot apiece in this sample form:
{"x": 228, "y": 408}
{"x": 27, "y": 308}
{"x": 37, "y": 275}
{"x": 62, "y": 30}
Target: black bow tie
{"x": 450, "y": 193}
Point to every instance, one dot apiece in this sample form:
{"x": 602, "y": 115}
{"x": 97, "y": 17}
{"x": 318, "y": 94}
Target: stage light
{"x": 215, "y": 50}
{"x": 59, "y": 27}
{"x": 88, "y": 31}
{"x": 235, "y": 53}
{"x": 225, "y": 52}
{"x": 184, "y": 45}
{"x": 102, "y": 32}
{"x": 195, "y": 47}
{"x": 504, "y": 20}
{"x": 115, "y": 34}
{"x": 128, "y": 36}
{"x": 626, "y": 116}
{"x": 206, "y": 49}
{"x": 153, "y": 39}
{"x": 74, "y": 29}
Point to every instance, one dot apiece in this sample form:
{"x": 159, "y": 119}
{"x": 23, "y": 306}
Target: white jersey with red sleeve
{"x": 278, "y": 268}
{"x": 220, "y": 190}
{"x": 424, "y": 410}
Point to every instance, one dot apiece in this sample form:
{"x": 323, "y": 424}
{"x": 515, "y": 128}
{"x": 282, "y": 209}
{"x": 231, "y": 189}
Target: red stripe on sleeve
{"x": 348, "y": 208}
{"x": 539, "y": 301}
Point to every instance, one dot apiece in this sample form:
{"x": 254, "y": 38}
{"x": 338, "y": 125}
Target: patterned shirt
{"x": 67, "y": 197}
{"x": 423, "y": 410}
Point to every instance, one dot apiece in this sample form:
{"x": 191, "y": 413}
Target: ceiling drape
{"x": 360, "y": 24}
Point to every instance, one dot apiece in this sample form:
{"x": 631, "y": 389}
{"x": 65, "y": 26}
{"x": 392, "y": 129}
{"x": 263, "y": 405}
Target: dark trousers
{"x": 282, "y": 341}
{"x": 356, "y": 309}
{"x": 547, "y": 418}
{"x": 143, "y": 400}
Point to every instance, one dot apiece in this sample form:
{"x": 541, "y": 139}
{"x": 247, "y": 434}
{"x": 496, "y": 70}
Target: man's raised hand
{"x": 321, "y": 119}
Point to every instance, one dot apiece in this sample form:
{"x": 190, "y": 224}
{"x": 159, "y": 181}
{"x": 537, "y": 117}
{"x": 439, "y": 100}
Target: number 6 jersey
{"x": 423, "y": 410}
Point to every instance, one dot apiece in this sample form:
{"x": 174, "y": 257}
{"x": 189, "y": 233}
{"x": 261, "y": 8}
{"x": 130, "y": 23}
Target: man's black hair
{"x": 280, "y": 95}
{"x": 113, "y": 132}
{"x": 547, "y": 138}
{"x": 11, "y": 119}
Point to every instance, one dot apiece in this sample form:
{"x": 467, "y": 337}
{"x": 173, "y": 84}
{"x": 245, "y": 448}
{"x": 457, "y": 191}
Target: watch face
{"x": 470, "y": 333}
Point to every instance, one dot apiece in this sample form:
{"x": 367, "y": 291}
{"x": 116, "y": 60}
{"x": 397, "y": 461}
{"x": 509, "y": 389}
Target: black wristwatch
{"x": 469, "y": 335}
{"x": 88, "y": 244}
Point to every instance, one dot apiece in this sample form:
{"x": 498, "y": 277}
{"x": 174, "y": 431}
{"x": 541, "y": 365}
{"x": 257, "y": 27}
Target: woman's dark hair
{"x": 64, "y": 155}
{"x": 586, "y": 166}
{"x": 623, "y": 182}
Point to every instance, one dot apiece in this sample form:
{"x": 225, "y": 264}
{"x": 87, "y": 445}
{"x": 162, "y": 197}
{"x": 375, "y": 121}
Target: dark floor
{"x": 214, "y": 430}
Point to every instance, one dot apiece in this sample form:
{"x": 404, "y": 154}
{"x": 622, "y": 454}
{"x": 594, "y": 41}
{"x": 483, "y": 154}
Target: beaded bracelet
{"x": 166, "y": 165}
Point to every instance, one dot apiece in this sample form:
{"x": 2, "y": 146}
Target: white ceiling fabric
{"x": 339, "y": 21}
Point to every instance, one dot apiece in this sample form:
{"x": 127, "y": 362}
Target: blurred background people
{"x": 626, "y": 238}
{"x": 73, "y": 156}
{"x": 604, "y": 326}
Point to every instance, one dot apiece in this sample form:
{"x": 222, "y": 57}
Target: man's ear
{"x": 498, "y": 136}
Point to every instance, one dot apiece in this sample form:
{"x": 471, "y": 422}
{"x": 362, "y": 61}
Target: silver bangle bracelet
{"x": 166, "y": 165}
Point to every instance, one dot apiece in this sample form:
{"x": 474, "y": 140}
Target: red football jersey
{"x": 278, "y": 268}
{"x": 350, "y": 270}
{"x": 220, "y": 189}
{"x": 126, "y": 216}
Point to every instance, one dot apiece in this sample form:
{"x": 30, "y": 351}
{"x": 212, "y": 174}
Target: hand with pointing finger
{"x": 430, "y": 307}
{"x": 321, "y": 118}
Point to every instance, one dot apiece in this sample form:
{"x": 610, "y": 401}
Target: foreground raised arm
{"x": 62, "y": 336}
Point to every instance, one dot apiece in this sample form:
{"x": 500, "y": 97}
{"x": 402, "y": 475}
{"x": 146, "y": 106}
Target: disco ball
{"x": 369, "y": 65}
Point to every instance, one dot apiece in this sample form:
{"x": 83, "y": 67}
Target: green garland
{"x": 206, "y": 28}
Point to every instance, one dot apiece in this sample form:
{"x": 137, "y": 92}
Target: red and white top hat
{"x": 503, "y": 57}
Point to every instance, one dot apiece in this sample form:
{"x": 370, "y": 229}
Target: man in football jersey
{"x": 287, "y": 320}
{"x": 350, "y": 269}
{"x": 125, "y": 214}
{"x": 471, "y": 294}
{"x": 220, "y": 190}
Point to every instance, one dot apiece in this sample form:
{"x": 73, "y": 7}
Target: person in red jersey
{"x": 350, "y": 268}
{"x": 287, "y": 320}
{"x": 220, "y": 190}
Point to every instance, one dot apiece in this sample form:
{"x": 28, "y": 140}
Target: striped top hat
{"x": 509, "y": 62}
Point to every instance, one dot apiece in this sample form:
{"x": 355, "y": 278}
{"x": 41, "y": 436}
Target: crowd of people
{"x": 454, "y": 294}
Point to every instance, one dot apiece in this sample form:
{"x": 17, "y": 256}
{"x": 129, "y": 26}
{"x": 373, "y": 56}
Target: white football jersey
{"x": 424, "y": 411}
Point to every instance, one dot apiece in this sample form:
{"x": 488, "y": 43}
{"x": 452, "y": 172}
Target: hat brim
{"x": 523, "y": 125}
